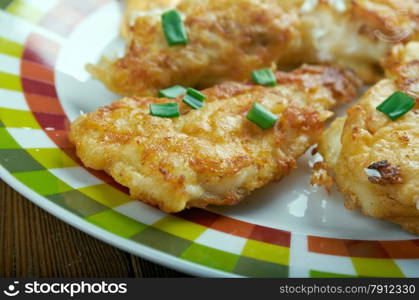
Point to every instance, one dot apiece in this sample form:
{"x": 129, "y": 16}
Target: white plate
{"x": 288, "y": 229}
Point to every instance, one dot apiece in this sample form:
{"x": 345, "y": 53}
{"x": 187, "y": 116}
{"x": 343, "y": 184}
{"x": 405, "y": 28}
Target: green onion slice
{"x": 196, "y": 94}
{"x": 165, "y": 110}
{"x": 264, "y": 77}
{"x": 172, "y": 92}
{"x": 173, "y": 28}
{"x": 262, "y": 117}
{"x": 397, "y": 105}
{"x": 194, "y": 98}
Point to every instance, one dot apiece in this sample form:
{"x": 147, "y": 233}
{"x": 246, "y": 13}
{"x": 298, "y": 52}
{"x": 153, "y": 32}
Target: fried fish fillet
{"x": 230, "y": 39}
{"x": 227, "y": 41}
{"x": 135, "y": 8}
{"x": 368, "y": 140}
{"x": 355, "y": 33}
{"x": 212, "y": 155}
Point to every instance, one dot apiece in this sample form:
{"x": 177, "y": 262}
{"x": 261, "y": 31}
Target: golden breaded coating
{"x": 367, "y": 138}
{"x": 230, "y": 39}
{"x": 212, "y": 155}
{"x": 136, "y": 7}
{"x": 355, "y": 33}
{"x": 227, "y": 41}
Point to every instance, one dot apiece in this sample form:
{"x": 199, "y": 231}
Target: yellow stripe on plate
{"x": 24, "y": 11}
{"x": 11, "y": 48}
{"x": 10, "y": 82}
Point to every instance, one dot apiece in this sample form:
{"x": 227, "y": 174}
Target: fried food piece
{"x": 355, "y": 33}
{"x": 212, "y": 155}
{"x": 227, "y": 41}
{"x": 230, "y": 39}
{"x": 135, "y": 8}
{"x": 375, "y": 161}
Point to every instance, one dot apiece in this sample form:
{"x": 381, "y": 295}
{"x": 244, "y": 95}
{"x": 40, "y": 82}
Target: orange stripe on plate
{"x": 44, "y": 104}
{"x": 327, "y": 246}
{"x": 365, "y": 249}
{"x": 401, "y": 249}
{"x": 234, "y": 227}
{"x": 36, "y": 71}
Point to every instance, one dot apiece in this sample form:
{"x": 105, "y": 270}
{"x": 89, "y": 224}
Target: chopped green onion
{"x": 173, "y": 28}
{"x": 194, "y": 98}
{"x": 165, "y": 110}
{"x": 196, "y": 94}
{"x": 261, "y": 116}
{"x": 397, "y": 105}
{"x": 264, "y": 77}
{"x": 173, "y": 92}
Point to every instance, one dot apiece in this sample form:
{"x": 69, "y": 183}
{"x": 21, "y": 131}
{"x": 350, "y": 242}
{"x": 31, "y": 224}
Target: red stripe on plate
{"x": 41, "y": 50}
{"x": 365, "y": 249}
{"x": 349, "y": 248}
{"x": 56, "y": 122}
{"x": 38, "y": 57}
{"x": 38, "y": 87}
{"x": 416, "y": 242}
{"x": 271, "y": 236}
{"x": 199, "y": 216}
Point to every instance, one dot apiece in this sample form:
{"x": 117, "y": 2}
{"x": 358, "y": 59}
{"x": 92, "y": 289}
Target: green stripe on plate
{"x": 52, "y": 158}
{"x": 4, "y": 3}
{"x": 24, "y": 11}
{"x": 6, "y": 140}
{"x": 18, "y": 160}
{"x": 106, "y": 195}
{"x": 266, "y": 252}
{"x": 78, "y": 203}
{"x": 211, "y": 257}
{"x": 320, "y": 274}
{"x": 11, "y": 48}
{"x": 256, "y": 268}
{"x": 180, "y": 227}
{"x": 10, "y": 82}
{"x": 42, "y": 182}
{"x": 15, "y": 118}
{"x": 116, "y": 223}
{"x": 376, "y": 267}
{"x": 162, "y": 241}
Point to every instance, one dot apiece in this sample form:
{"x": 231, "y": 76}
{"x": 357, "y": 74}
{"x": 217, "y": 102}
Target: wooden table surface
{"x": 36, "y": 244}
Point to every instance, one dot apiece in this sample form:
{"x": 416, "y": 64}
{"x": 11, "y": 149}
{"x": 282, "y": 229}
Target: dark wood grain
{"x": 36, "y": 244}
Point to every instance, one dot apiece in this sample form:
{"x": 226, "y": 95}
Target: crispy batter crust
{"x": 133, "y": 7}
{"x": 366, "y": 138}
{"x": 355, "y": 33}
{"x": 227, "y": 41}
{"x": 230, "y": 39}
{"x": 213, "y": 155}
